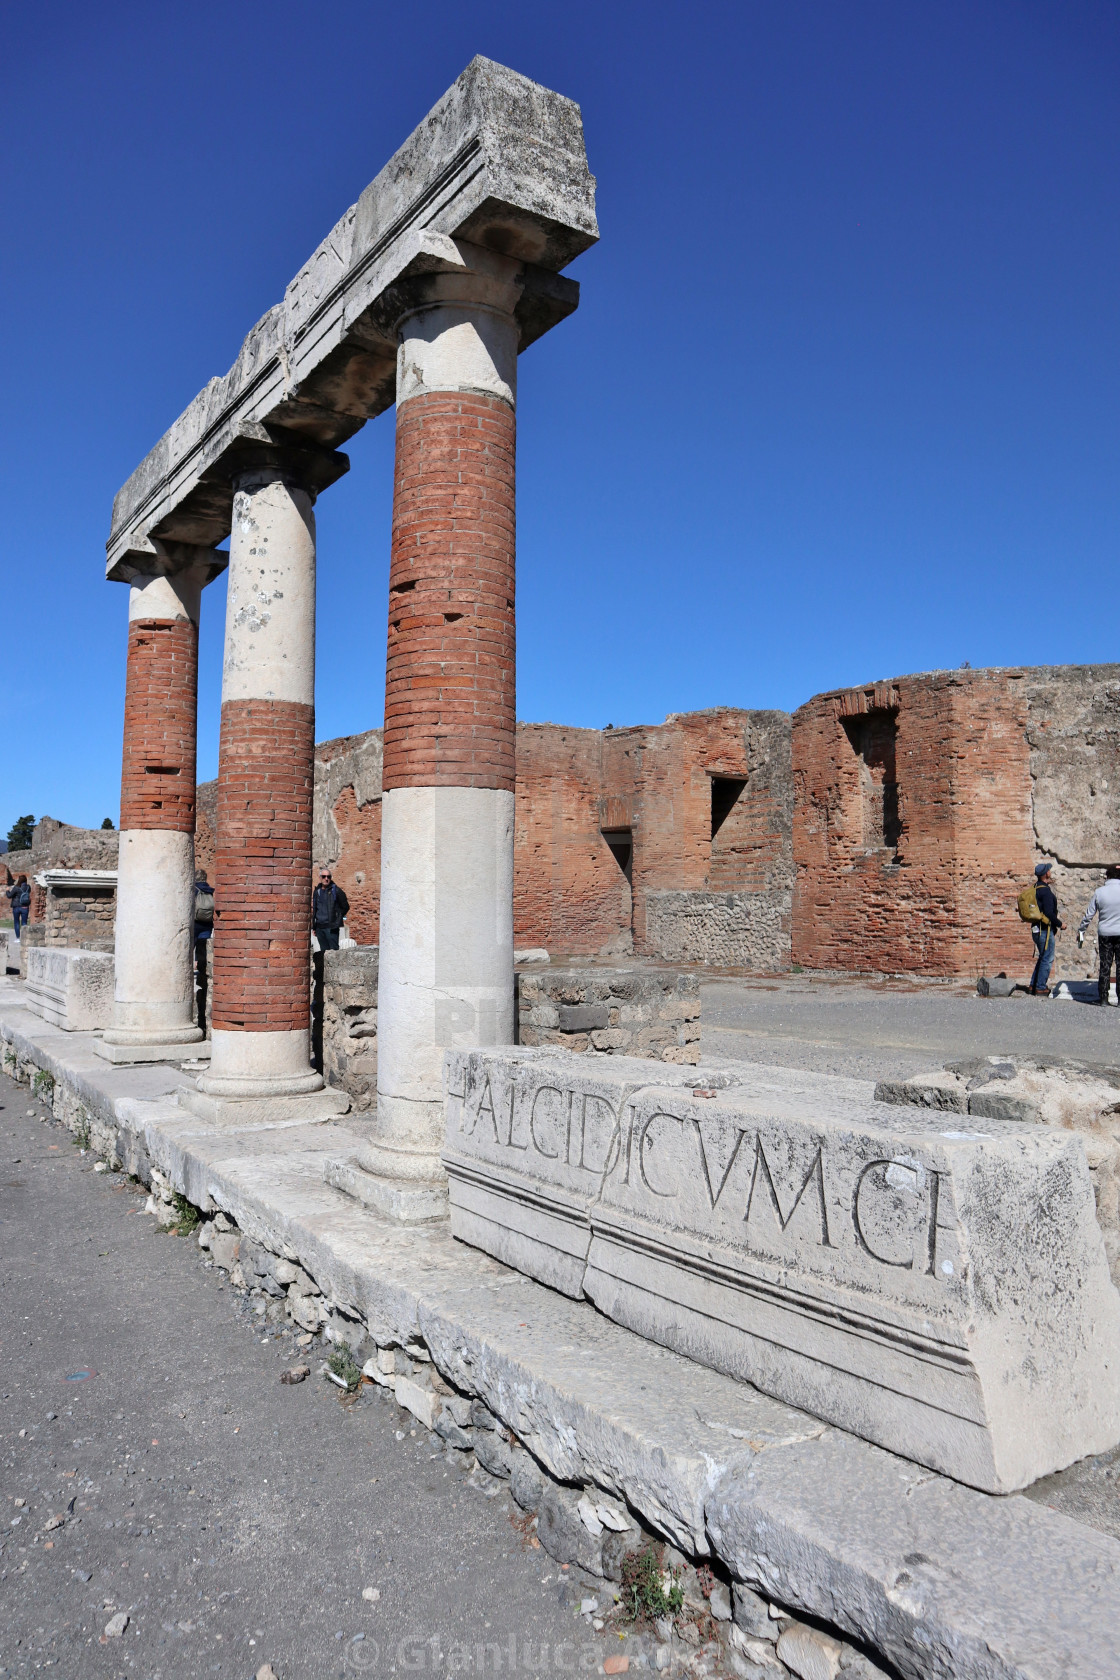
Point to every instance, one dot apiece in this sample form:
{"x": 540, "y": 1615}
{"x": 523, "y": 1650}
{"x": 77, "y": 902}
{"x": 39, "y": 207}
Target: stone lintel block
{"x": 498, "y": 163}
{"x": 940, "y": 1291}
{"x": 71, "y": 989}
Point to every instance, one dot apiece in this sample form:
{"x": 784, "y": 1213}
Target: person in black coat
{"x": 19, "y": 897}
{"x": 329, "y": 909}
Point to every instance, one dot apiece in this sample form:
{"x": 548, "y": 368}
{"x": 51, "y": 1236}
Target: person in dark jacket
{"x": 1044, "y": 933}
{"x": 329, "y": 909}
{"x": 19, "y": 897}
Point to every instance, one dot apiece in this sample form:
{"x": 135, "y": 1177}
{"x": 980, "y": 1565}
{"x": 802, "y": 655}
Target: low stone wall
{"x": 653, "y": 1013}
{"x": 80, "y": 917}
{"x": 345, "y": 1022}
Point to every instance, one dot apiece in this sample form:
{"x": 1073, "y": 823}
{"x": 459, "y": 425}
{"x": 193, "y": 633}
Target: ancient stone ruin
{"x": 786, "y": 1324}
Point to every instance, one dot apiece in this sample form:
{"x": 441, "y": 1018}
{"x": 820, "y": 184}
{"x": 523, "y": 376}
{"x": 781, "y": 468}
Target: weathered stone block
{"x": 582, "y": 1017}
{"x": 71, "y": 989}
{"x": 942, "y": 1292}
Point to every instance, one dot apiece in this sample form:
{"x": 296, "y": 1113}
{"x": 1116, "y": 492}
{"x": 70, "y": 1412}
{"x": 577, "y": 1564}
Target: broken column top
{"x": 500, "y": 163}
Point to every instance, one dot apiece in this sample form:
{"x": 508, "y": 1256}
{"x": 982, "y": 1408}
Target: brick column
{"x": 262, "y": 870}
{"x": 446, "y": 961}
{"x": 153, "y": 1010}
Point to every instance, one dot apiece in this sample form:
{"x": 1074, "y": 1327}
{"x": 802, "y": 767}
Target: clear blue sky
{"x": 840, "y": 402}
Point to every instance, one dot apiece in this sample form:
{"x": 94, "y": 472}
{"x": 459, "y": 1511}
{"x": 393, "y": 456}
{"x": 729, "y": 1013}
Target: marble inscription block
{"x": 940, "y": 1291}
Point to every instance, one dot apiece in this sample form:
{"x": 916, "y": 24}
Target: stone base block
{"x": 124, "y": 1055}
{"x": 71, "y": 989}
{"x": 938, "y": 1288}
{"x": 244, "y": 1112}
{"x": 398, "y": 1199}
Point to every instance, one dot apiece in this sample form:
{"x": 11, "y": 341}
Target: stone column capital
{"x": 153, "y": 557}
{"x": 269, "y": 455}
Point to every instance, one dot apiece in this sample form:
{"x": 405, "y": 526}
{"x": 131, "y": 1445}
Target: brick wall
{"x": 262, "y": 871}
{"x": 934, "y": 893}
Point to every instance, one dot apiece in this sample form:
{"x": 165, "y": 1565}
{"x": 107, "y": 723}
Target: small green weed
{"x": 43, "y": 1085}
{"x": 343, "y": 1364}
{"x": 81, "y": 1131}
{"x": 644, "y": 1594}
{"x": 187, "y": 1216}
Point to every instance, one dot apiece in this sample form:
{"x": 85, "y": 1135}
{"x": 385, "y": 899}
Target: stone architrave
{"x": 941, "y": 1291}
{"x": 154, "y": 1003}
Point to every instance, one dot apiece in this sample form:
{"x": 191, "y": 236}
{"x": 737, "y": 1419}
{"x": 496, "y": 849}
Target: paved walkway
{"x": 234, "y": 1520}
{"x": 868, "y": 1029}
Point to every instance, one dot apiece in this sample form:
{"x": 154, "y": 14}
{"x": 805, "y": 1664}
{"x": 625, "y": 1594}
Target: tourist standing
{"x": 19, "y": 897}
{"x": 329, "y": 909}
{"x": 1105, "y": 903}
{"x": 1044, "y": 931}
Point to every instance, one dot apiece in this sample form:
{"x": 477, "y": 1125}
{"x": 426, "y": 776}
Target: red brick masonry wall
{"x": 449, "y": 691}
{"x": 936, "y": 894}
{"x": 161, "y": 699}
{"x": 262, "y": 869}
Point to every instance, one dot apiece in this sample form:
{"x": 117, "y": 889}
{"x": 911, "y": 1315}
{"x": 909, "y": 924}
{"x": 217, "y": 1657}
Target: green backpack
{"x": 1028, "y": 906}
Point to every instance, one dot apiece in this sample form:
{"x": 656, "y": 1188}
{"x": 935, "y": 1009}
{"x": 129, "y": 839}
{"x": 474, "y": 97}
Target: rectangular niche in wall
{"x": 621, "y": 843}
{"x": 873, "y": 737}
{"x": 725, "y": 791}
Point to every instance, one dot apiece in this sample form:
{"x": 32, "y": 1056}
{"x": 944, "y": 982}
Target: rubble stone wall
{"x": 601, "y": 1011}
{"x": 616, "y": 1012}
{"x": 80, "y": 918}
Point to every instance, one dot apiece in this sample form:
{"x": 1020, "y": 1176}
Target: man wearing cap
{"x": 1105, "y": 903}
{"x": 1043, "y": 933}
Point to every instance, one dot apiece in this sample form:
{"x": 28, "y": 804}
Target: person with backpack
{"x": 19, "y": 897}
{"x": 329, "y": 909}
{"x": 1038, "y": 905}
{"x": 203, "y": 930}
{"x": 1105, "y": 903}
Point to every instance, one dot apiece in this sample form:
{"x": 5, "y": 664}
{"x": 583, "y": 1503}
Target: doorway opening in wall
{"x": 725, "y": 791}
{"x": 621, "y": 843}
{"x": 873, "y": 738}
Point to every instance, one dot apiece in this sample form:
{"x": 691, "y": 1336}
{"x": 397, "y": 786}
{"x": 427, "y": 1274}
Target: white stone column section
{"x": 262, "y": 933}
{"x": 154, "y": 1004}
{"x": 445, "y": 976}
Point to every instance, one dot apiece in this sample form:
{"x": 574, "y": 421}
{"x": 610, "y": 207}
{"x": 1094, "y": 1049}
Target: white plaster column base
{"x": 260, "y": 1064}
{"x": 445, "y": 979}
{"x": 244, "y": 1113}
{"x": 171, "y": 1050}
{"x": 405, "y": 1203}
{"x": 153, "y": 994}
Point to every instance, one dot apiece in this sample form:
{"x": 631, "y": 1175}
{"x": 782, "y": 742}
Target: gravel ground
{"x": 891, "y": 1029}
{"x": 234, "y": 1520}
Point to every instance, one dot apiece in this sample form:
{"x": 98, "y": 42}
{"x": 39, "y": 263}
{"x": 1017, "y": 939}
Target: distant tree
{"x": 108, "y": 823}
{"x": 19, "y": 835}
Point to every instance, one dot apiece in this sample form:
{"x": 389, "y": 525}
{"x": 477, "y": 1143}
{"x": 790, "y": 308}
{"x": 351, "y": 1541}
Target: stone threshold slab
{"x": 938, "y": 1578}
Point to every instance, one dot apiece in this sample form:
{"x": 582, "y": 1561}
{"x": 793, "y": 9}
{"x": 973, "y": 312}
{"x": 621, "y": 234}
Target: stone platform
{"x": 937, "y": 1579}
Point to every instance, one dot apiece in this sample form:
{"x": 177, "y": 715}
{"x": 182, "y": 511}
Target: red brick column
{"x": 263, "y": 866}
{"x": 446, "y": 965}
{"x": 450, "y": 673}
{"x": 266, "y": 768}
{"x": 160, "y": 725}
{"x": 153, "y": 1009}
